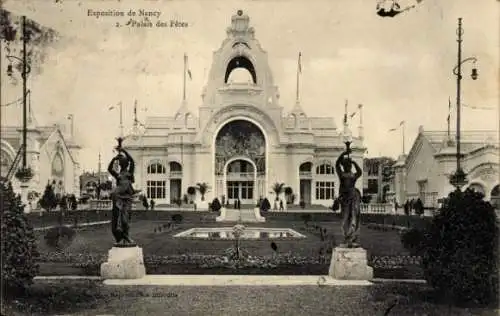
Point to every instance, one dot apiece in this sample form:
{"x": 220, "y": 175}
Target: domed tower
{"x": 239, "y": 51}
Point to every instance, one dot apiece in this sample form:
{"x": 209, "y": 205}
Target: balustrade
{"x": 305, "y": 174}
{"x": 175, "y": 174}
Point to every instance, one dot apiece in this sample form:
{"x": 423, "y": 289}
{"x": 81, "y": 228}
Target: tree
{"x": 38, "y": 38}
{"x": 265, "y": 205}
{"x": 203, "y": 188}
{"x": 460, "y": 256}
{"x": 216, "y": 206}
{"x": 191, "y": 190}
{"x": 48, "y": 201}
{"x": 19, "y": 252}
{"x": 74, "y": 203}
{"x": 278, "y": 189}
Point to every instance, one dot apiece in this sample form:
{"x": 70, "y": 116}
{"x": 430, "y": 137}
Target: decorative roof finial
{"x": 240, "y": 26}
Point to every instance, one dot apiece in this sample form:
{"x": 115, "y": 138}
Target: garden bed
{"x": 64, "y": 269}
{"x": 396, "y": 267}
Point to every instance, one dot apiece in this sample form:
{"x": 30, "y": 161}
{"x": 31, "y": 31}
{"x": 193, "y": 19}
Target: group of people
{"x": 416, "y": 206}
{"x": 146, "y": 205}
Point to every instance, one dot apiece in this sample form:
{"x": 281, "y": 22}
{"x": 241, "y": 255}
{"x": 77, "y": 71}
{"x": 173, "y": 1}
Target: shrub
{"x": 48, "y": 200}
{"x": 461, "y": 251}
{"x": 18, "y": 243}
{"x": 63, "y": 203}
{"x": 265, "y": 205}
{"x": 306, "y": 218}
{"x": 177, "y": 218}
{"x": 74, "y": 203}
{"x": 413, "y": 240}
{"x": 366, "y": 199}
{"x": 215, "y": 205}
{"x": 191, "y": 190}
{"x": 203, "y": 187}
{"x": 336, "y": 205}
{"x": 59, "y": 237}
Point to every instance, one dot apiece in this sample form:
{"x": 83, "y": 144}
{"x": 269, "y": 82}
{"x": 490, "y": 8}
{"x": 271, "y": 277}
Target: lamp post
{"x": 24, "y": 174}
{"x": 459, "y": 178}
{"x": 347, "y": 138}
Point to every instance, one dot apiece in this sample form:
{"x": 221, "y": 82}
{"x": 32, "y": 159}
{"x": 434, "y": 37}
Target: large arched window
{"x": 175, "y": 166}
{"x": 305, "y": 167}
{"x": 6, "y": 162}
{"x": 325, "y": 169}
{"x": 58, "y": 166}
{"x": 156, "y": 168}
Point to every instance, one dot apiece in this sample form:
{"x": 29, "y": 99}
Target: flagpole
{"x": 121, "y": 120}
{"x": 449, "y": 113}
{"x": 99, "y": 177}
{"x": 360, "y": 109}
{"x": 403, "y": 135}
{"x": 345, "y": 113}
{"x": 298, "y": 76}
{"x": 135, "y": 114}
{"x": 184, "y": 78}
{"x": 70, "y": 117}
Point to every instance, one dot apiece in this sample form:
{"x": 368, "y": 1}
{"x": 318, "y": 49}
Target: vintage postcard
{"x": 239, "y": 157}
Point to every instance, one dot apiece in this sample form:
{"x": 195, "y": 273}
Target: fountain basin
{"x": 249, "y": 233}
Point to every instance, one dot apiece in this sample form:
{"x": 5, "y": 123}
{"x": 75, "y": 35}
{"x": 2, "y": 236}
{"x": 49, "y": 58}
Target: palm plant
{"x": 203, "y": 188}
{"x": 278, "y": 189}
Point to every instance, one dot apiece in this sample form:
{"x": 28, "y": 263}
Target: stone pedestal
{"x": 350, "y": 264}
{"x": 202, "y": 205}
{"x": 124, "y": 263}
{"x": 258, "y": 217}
{"x": 222, "y": 216}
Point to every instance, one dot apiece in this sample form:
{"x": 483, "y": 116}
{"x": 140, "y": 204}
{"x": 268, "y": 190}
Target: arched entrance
{"x": 57, "y": 174}
{"x": 240, "y": 179}
{"x": 305, "y": 176}
{"x": 175, "y": 182}
{"x": 240, "y": 162}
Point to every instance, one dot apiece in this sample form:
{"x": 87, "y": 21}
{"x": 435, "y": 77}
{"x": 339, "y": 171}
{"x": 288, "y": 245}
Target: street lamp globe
{"x": 10, "y": 72}
{"x": 474, "y": 74}
{"x": 347, "y": 138}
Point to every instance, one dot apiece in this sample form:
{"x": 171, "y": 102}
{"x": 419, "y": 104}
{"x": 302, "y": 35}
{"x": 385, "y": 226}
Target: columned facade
{"x": 241, "y": 142}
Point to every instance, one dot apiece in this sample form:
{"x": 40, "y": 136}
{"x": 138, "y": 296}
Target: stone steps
{"x": 244, "y": 216}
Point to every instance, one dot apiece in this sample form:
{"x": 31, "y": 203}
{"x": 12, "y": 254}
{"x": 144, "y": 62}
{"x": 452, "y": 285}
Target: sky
{"x": 399, "y": 68}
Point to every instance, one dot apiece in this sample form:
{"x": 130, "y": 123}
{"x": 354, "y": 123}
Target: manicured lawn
{"x": 98, "y": 240}
{"x": 94, "y": 298}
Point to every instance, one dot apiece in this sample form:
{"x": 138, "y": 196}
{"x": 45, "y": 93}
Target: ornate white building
{"x": 241, "y": 142}
{"x": 425, "y": 172}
